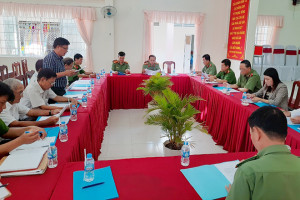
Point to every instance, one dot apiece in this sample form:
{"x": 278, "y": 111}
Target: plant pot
{"x": 170, "y": 152}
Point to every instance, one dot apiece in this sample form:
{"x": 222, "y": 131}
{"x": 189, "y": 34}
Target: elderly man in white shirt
{"x": 37, "y": 94}
{"x": 11, "y": 114}
{"x": 295, "y": 115}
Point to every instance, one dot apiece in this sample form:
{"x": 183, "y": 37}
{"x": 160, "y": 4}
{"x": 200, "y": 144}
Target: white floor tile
{"x": 126, "y": 136}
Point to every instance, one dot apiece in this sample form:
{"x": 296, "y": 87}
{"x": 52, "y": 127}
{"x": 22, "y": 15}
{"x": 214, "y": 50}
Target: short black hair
{"x": 271, "y": 121}
{"x": 247, "y": 63}
{"x": 272, "y": 72}
{"x": 152, "y": 56}
{"x": 226, "y": 62}
{"x": 6, "y": 91}
{"x": 60, "y": 42}
{"x": 206, "y": 57}
{"x": 39, "y": 65}
{"x": 46, "y": 73}
{"x": 68, "y": 61}
{"x": 77, "y": 56}
{"x": 121, "y": 53}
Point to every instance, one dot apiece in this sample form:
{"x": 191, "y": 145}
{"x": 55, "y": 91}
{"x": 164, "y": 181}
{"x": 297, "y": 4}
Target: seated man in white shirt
{"x": 36, "y": 95}
{"x": 38, "y": 67}
{"x": 295, "y": 115}
{"x": 11, "y": 114}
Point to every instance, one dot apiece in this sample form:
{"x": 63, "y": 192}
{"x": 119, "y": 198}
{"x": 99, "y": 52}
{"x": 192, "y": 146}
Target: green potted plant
{"x": 155, "y": 85}
{"x": 175, "y": 116}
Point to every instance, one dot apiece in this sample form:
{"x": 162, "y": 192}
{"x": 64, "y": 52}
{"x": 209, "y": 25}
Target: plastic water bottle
{"x": 202, "y": 79}
{"x": 174, "y": 71}
{"x": 89, "y": 92}
{"x": 111, "y": 73}
{"x": 163, "y": 73}
{"x": 228, "y": 89}
{"x": 194, "y": 72}
{"x": 185, "y": 154}
{"x": 92, "y": 83}
{"x": 73, "y": 113}
{"x": 63, "y": 132}
{"x": 52, "y": 155}
{"x": 84, "y": 100}
{"x": 244, "y": 99}
{"x": 89, "y": 169}
{"x": 98, "y": 78}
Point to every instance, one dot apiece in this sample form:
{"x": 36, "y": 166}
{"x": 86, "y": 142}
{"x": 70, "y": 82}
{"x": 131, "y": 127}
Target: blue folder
{"x": 74, "y": 92}
{"x": 262, "y": 104}
{"x": 208, "y": 181}
{"x": 107, "y": 190}
{"x": 295, "y": 127}
{"x": 52, "y": 132}
{"x": 82, "y": 85}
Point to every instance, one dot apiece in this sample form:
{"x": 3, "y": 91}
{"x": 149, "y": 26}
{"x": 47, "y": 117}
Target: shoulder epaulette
{"x": 247, "y": 160}
{"x": 115, "y": 61}
{"x": 125, "y": 62}
{"x": 146, "y": 63}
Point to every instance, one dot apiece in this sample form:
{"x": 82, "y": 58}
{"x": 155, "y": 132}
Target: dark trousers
{"x": 57, "y": 91}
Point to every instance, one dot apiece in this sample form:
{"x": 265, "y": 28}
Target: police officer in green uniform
{"x": 120, "y": 66}
{"x": 151, "y": 64}
{"x": 6, "y": 94}
{"x": 226, "y": 75}
{"x": 209, "y": 67}
{"x": 249, "y": 80}
{"x": 274, "y": 173}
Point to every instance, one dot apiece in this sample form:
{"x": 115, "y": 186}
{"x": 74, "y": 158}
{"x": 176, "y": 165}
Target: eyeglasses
{"x": 65, "y": 48}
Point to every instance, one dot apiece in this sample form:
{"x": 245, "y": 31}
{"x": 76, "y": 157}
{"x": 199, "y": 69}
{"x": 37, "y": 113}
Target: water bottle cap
{"x": 73, "y": 106}
{"x": 63, "y": 122}
{"x": 89, "y": 155}
{"x": 84, "y": 93}
{"x": 52, "y": 144}
{"x": 27, "y": 132}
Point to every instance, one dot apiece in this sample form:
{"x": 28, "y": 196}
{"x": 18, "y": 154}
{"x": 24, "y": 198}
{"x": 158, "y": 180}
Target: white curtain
{"x": 274, "y": 21}
{"x": 83, "y": 16}
{"x": 172, "y": 17}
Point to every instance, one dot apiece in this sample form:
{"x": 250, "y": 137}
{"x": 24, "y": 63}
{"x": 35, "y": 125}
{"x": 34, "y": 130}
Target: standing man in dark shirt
{"x": 54, "y": 61}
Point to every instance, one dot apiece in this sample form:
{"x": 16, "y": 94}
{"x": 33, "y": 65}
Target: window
{"x": 263, "y": 35}
{"x": 34, "y": 37}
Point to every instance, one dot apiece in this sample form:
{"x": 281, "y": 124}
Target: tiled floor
{"x": 126, "y": 136}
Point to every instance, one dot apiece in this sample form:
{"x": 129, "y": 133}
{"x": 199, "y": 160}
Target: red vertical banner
{"x": 238, "y": 29}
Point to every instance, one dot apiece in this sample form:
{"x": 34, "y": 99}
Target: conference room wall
{"x": 129, "y": 26}
{"x": 289, "y": 34}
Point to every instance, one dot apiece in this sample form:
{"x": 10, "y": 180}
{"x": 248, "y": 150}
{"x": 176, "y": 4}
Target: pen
{"x": 3, "y": 185}
{"x": 92, "y": 185}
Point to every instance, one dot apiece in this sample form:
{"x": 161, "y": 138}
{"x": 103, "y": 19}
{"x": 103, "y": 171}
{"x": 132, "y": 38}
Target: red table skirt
{"x": 41, "y": 186}
{"x": 227, "y": 118}
{"x": 147, "y": 178}
{"x": 123, "y": 93}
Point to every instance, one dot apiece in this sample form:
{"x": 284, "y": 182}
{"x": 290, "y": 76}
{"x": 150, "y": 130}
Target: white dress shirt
{"x": 13, "y": 112}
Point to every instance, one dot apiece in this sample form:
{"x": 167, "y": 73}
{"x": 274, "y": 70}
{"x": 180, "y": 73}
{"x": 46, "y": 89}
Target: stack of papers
{"x": 107, "y": 190}
{"x": 151, "y": 72}
{"x": 262, "y": 104}
{"x": 21, "y": 160}
{"x": 37, "y": 144}
{"x": 209, "y": 181}
{"x": 79, "y": 96}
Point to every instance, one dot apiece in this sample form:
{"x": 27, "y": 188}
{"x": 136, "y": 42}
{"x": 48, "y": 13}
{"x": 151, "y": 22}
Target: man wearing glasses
{"x": 54, "y": 61}
{"x": 37, "y": 94}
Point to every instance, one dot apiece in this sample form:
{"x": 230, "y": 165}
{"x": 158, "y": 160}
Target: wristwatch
{"x": 50, "y": 113}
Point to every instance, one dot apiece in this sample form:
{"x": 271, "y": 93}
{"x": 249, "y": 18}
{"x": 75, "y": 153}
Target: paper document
{"x": 79, "y": 96}
{"x": 59, "y": 104}
{"x": 151, "y": 72}
{"x": 37, "y": 144}
{"x": 4, "y": 192}
{"x": 82, "y": 82}
{"x": 78, "y": 88}
{"x": 23, "y": 160}
{"x": 62, "y": 119}
{"x": 205, "y": 75}
{"x": 209, "y": 181}
{"x": 289, "y": 121}
{"x": 211, "y": 82}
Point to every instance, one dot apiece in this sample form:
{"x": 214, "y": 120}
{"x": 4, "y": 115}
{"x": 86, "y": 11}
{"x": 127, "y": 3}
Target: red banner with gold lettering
{"x": 238, "y": 29}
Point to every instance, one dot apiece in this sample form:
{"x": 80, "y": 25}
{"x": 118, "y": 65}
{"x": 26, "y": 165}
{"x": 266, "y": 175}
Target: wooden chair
{"x": 3, "y": 72}
{"x": 169, "y": 65}
{"x": 29, "y": 74}
{"x": 294, "y": 103}
{"x": 16, "y": 68}
{"x": 25, "y": 70}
